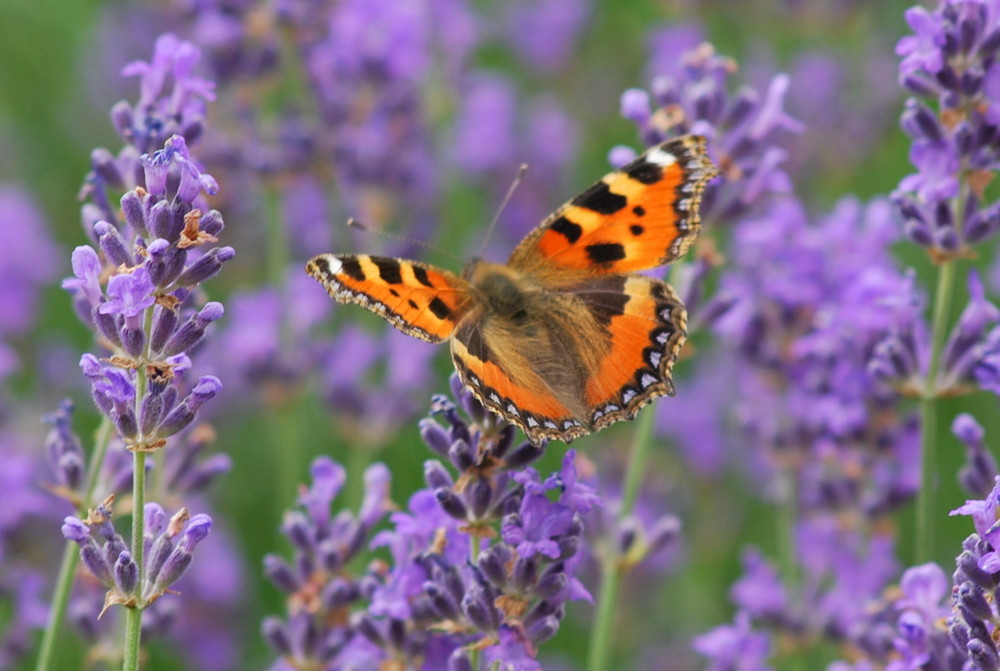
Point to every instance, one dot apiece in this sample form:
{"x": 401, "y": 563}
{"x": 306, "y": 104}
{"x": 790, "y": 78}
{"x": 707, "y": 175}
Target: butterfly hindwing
{"x": 418, "y": 299}
{"x": 500, "y": 371}
{"x": 647, "y": 325}
{"x": 642, "y": 216}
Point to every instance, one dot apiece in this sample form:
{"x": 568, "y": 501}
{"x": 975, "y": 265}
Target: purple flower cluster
{"x": 140, "y": 292}
{"x": 976, "y": 578}
{"x": 743, "y": 127}
{"x": 138, "y": 286}
{"x": 950, "y": 64}
{"x": 168, "y": 548}
{"x": 481, "y": 569}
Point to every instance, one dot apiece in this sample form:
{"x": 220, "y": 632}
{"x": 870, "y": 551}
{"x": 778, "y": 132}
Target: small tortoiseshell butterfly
{"x": 564, "y": 339}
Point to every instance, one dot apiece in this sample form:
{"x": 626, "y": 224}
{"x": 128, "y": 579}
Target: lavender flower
{"x": 432, "y": 602}
{"x": 976, "y": 576}
{"x": 980, "y": 469}
{"x": 949, "y": 64}
{"x": 170, "y": 543}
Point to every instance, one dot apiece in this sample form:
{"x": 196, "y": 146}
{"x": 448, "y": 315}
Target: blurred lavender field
{"x": 206, "y": 464}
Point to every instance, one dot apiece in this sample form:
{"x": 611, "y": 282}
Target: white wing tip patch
{"x": 661, "y": 158}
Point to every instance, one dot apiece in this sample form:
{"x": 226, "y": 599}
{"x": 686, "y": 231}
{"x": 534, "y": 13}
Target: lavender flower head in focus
{"x": 138, "y": 287}
{"x": 482, "y": 562}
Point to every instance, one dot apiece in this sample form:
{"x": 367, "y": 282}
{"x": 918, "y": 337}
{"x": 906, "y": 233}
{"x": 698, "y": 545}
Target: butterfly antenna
{"x": 354, "y": 223}
{"x": 523, "y": 168}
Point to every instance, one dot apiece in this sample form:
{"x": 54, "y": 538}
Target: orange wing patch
{"x": 523, "y": 399}
{"x": 646, "y": 337}
{"x": 418, "y": 299}
{"x": 642, "y": 216}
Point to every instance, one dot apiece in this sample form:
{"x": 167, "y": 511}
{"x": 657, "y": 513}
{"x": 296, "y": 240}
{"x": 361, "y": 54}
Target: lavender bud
{"x": 106, "y": 325}
{"x": 444, "y": 605}
{"x": 206, "y": 267}
{"x": 480, "y": 611}
{"x": 74, "y": 529}
{"x": 150, "y": 412}
{"x": 553, "y": 583}
{"x": 211, "y": 223}
{"x": 542, "y": 630}
{"x": 524, "y": 455}
{"x": 339, "y": 593}
{"x": 982, "y": 655}
{"x": 919, "y": 121}
{"x": 451, "y": 503}
{"x": 461, "y": 456}
{"x": 126, "y": 573}
{"x": 95, "y": 561}
{"x": 133, "y": 340}
{"x": 459, "y": 661}
{"x": 164, "y": 325}
{"x": 492, "y": 567}
{"x": 435, "y": 436}
{"x": 504, "y": 441}
{"x": 159, "y": 221}
{"x": 132, "y": 208}
{"x": 113, "y": 244}
{"x": 958, "y": 633}
{"x": 276, "y": 635}
{"x": 125, "y": 424}
{"x": 524, "y": 574}
{"x": 436, "y": 475}
{"x": 193, "y": 330}
{"x": 364, "y": 625}
{"x": 280, "y": 573}
{"x": 182, "y": 415}
{"x": 479, "y": 494}
{"x": 971, "y": 597}
{"x": 121, "y": 118}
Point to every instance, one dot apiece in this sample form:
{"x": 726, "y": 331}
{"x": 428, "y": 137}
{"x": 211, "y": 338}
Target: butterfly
{"x": 565, "y": 338}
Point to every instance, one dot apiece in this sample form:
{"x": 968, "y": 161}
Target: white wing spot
{"x": 660, "y": 157}
{"x": 647, "y": 380}
{"x": 628, "y": 395}
{"x": 654, "y": 358}
{"x": 495, "y": 398}
{"x": 531, "y": 422}
{"x": 549, "y": 424}
{"x": 512, "y": 409}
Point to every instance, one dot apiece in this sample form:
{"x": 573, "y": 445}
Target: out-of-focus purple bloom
{"x": 544, "y": 32}
{"x": 980, "y": 469}
{"x": 27, "y": 259}
{"x": 735, "y": 646}
{"x": 922, "y": 50}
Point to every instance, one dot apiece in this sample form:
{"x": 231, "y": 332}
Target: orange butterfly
{"x": 564, "y": 339}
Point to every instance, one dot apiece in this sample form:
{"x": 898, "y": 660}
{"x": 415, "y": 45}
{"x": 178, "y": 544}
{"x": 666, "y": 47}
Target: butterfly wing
{"x": 639, "y": 217}
{"x": 418, "y": 299}
{"x": 646, "y": 325}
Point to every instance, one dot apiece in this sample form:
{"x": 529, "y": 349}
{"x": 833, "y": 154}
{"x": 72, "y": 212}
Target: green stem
{"x": 71, "y": 556}
{"x": 133, "y": 615}
{"x": 928, "y": 413}
{"x": 601, "y": 642}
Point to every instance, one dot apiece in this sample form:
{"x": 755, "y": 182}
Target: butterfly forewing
{"x": 639, "y": 217}
{"x": 418, "y": 299}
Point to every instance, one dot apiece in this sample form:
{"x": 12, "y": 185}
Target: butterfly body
{"x": 564, "y": 339}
